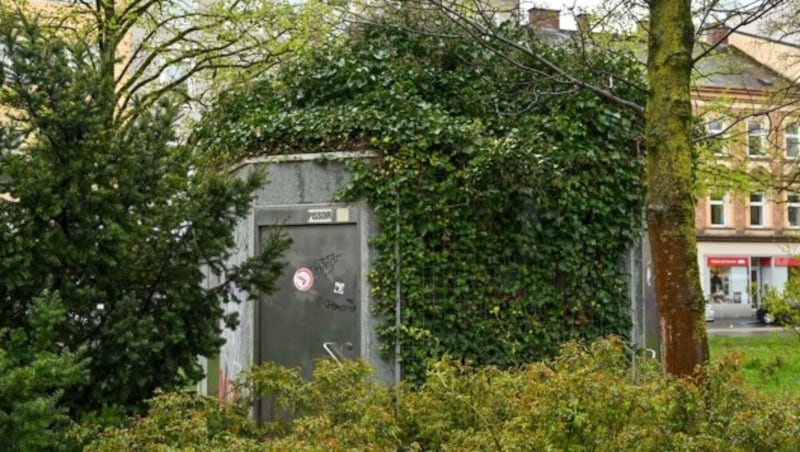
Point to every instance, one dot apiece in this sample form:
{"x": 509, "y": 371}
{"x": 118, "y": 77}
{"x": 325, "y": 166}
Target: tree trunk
{"x": 670, "y": 200}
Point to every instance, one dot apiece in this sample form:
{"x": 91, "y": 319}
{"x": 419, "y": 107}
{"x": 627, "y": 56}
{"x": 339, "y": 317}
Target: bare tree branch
{"x": 478, "y": 31}
{"x": 746, "y": 15}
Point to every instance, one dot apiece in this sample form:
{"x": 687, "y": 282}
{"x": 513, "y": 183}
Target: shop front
{"x": 735, "y": 282}
{"x": 728, "y": 279}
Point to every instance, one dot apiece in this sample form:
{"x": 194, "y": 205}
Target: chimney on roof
{"x": 544, "y": 18}
{"x": 718, "y": 36}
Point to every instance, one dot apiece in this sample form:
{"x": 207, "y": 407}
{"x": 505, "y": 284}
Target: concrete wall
{"x": 309, "y": 180}
{"x": 645, "y": 332}
{"x": 296, "y": 180}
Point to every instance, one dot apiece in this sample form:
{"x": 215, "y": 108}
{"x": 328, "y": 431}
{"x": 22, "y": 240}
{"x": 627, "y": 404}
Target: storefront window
{"x": 729, "y": 279}
{"x": 783, "y": 268}
{"x": 720, "y": 285}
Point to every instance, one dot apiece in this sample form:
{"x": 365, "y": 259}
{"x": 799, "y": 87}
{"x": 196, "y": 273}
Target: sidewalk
{"x": 741, "y": 327}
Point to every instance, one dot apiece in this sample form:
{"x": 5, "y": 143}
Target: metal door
{"x": 316, "y": 311}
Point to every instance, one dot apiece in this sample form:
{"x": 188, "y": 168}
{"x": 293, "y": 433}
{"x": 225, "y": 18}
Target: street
{"x": 741, "y": 327}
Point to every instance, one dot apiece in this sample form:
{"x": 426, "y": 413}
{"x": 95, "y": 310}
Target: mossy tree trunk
{"x": 670, "y": 201}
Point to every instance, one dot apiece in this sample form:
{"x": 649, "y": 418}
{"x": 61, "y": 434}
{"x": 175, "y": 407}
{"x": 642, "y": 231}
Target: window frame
{"x": 761, "y": 135}
{"x": 795, "y": 136}
{"x": 720, "y": 202}
{"x": 793, "y": 204}
{"x": 716, "y": 137}
{"x": 761, "y": 206}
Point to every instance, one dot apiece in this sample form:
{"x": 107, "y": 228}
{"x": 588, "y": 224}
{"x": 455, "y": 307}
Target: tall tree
{"x": 670, "y": 205}
{"x": 667, "y": 116}
{"x": 112, "y": 214}
{"x": 34, "y": 369}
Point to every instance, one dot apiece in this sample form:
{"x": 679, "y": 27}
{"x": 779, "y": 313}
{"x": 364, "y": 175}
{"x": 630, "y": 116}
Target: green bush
{"x": 34, "y": 373}
{"x": 596, "y": 397}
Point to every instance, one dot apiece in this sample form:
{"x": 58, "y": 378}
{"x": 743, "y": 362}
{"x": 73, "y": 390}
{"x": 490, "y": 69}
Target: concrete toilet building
{"x": 321, "y": 307}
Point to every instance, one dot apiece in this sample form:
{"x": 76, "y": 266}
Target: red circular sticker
{"x": 303, "y": 279}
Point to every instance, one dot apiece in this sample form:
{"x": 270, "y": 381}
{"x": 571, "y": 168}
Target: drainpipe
{"x": 397, "y": 307}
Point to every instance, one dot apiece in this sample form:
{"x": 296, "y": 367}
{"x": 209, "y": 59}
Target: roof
{"x": 553, "y": 36}
{"x": 727, "y": 67}
{"x": 724, "y": 67}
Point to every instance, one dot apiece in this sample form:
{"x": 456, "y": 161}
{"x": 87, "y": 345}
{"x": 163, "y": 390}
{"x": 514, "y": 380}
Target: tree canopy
{"x": 114, "y": 220}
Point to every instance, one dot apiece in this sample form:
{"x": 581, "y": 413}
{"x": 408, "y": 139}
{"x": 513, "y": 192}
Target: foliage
{"x": 166, "y": 48}
{"x": 224, "y": 43}
{"x": 116, "y": 220}
{"x": 784, "y": 306}
{"x": 354, "y": 408}
{"x": 512, "y": 199}
{"x": 34, "y": 373}
{"x": 182, "y": 421}
{"x": 588, "y": 398}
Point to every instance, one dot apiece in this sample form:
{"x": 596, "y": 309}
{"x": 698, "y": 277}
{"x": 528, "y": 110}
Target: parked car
{"x": 765, "y": 316}
{"x": 709, "y": 313}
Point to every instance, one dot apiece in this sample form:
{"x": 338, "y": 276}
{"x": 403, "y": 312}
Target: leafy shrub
{"x": 784, "y": 306}
{"x": 181, "y": 421}
{"x": 595, "y": 397}
{"x": 34, "y": 373}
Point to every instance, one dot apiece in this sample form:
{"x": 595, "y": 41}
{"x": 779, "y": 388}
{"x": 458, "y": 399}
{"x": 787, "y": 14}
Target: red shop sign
{"x": 728, "y": 261}
{"x": 787, "y": 261}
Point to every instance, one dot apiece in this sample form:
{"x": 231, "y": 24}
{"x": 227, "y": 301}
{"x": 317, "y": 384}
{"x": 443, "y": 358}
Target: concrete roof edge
{"x": 305, "y": 157}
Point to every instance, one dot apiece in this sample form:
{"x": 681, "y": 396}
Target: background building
{"x": 748, "y": 211}
{"x": 749, "y": 218}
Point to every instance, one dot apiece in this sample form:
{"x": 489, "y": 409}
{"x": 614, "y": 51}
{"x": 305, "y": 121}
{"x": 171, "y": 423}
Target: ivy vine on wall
{"x": 513, "y": 196}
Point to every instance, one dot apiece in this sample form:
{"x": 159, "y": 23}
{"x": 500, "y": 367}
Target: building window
{"x": 755, "y": 138}
{"x": 717, "y": 213}
{"x": 793, "y": 210}
{"x": 757, "y": 210}
{"x": 716, "y": 140}
{"x": 792, "y": 141}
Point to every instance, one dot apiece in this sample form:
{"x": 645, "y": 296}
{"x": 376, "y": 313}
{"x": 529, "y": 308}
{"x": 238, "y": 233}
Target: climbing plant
{"x": 505, "y": 203}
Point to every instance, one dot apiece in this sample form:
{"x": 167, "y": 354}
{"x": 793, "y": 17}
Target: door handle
{"x": 328, "y": 346}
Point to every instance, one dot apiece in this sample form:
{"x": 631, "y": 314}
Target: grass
{"x": 771, "y": 362}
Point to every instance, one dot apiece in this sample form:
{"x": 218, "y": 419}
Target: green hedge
{"x": 587, "y": 398}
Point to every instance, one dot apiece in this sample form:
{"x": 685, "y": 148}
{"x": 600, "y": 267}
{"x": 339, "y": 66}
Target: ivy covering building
{"x": 512, "y": 196}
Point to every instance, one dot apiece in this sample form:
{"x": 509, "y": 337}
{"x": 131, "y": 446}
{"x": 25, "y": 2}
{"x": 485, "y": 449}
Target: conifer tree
{"x": 116, "y": 220}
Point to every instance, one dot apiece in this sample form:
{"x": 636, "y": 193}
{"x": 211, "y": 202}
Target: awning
{"x": 787, "y": 261}
{"x": 728, "y": 261}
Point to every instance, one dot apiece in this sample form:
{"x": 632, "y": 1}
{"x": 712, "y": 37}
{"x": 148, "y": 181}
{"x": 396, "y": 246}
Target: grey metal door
{"x": 316, "y": 311}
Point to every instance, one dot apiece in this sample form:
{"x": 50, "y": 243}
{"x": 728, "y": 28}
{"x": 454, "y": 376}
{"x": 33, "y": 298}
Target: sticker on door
{"x": 303, "y": 279}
